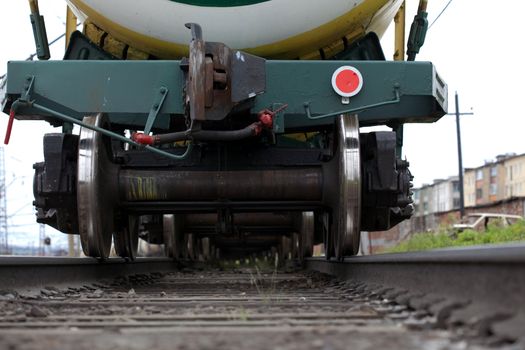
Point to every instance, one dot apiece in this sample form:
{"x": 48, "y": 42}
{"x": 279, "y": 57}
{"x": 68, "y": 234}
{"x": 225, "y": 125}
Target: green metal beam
{"x": 126, "y": 91}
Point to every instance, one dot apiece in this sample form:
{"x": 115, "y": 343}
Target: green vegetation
{"x": 443, "y": 239}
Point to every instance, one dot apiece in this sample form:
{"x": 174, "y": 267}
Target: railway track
{"x": 410, "y": 301}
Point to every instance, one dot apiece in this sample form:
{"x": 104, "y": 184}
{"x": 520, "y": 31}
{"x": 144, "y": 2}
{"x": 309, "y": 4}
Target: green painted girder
{"x": 126, "y": 90}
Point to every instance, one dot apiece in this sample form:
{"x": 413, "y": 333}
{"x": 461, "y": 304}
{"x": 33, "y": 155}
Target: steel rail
{"x": 18, "y": 272}
{"x": 483, "y": 284}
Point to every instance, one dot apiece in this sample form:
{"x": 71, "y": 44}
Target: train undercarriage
{"x": 223, "y": 151}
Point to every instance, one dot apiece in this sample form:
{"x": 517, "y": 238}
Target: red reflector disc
{"x": 347, "y": 81}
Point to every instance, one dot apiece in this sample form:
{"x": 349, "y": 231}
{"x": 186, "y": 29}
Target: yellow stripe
{"x": 353, "y": 21}
{"x": 303, "y": 45}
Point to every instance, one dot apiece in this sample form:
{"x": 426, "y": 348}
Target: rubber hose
{"x": 208, "y": 135}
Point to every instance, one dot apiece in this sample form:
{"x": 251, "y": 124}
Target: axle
{"x": 174, "y": 185}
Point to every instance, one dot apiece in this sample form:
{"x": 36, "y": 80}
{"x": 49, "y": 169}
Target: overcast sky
{"x": 476, "y": 47}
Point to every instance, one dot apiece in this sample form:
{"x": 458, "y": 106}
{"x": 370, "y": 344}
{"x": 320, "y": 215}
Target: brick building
{"x": 487, "y": 183}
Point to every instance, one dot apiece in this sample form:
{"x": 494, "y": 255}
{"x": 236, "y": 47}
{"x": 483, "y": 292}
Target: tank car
{"x": 225, "y": 126}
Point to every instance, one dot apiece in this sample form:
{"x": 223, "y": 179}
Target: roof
{"x": 500, "y": 159}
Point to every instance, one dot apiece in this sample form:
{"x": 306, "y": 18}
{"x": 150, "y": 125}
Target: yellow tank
{"x": 279, "y": 29}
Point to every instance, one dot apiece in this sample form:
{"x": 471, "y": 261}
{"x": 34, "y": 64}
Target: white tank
{"x": 269, "y": 28}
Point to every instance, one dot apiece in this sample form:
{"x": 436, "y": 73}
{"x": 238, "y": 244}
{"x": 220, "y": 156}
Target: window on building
{"x": 493, "y": 189}
{"x": 456, "y": 203}
{"x": 479, "y": 193}
{"x": 455, "y": 186}
{"x": 494, "y": 171}
{"x": 479, "y": 174}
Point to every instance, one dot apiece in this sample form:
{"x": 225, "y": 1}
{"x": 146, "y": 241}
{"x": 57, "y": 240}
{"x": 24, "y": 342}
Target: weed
{"x": 442, "y": 239}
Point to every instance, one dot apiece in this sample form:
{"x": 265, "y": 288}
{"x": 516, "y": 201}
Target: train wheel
{"x": 296, "y": 246}
{"x": 285, "y": 248}
{"x": 205, "y": 248}
{"x": 306, "y": 234}
{"x": 347, "y": 209}
{"x": 172, "y": 227}
{"x": 126, "y": 239}
{"x": 95, "y": 190}
{"x": 327, "y": 236}
{"x": 190, "y": 251}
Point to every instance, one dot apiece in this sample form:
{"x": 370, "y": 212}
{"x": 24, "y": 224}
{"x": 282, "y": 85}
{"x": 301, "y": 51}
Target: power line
{"x": 444, "y": 8}
{"x": 30, "y": 58}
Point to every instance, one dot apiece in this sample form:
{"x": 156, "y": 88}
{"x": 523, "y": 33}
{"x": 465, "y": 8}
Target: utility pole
{"x": 71, "y": 251}
{"x": 460, "y": 158}
{"x": 41, "y": 241}
{"x": 4, "y": 241}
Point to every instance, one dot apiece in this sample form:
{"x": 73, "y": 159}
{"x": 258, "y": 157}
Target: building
{"x": 498, "y": 186}
{"x": 515, "y": 176}
{"x": 469, "y": 187}
{"x": 441, "y": 196}
{"x": 485, "y": 184}
{"x": 497, "y": 180}
{"x": 501, "y": 179}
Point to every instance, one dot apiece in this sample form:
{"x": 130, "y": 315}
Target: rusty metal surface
{"x": 196, "y": 81}
{"x": 219, "y": 79}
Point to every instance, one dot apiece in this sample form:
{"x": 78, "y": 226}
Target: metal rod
{"x": 400, "y": 22}
{"x": 299, "y": 184}
{"x": 422, "y": 6}
{"x": 163, "y": 207}
{"x": 33, "y": 5}
{"x": 397, "y": 99}
{"x": 261, "y": 219}
{"x": 110, "y": 133}
{"x": 71, "y": 24}
{"x": 460, "y": 162}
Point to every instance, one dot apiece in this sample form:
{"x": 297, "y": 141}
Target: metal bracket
{"x": 155, "y": 108}
{"x": 397, "y": 99}
{"x": 278, "y": 120}
{"x": 28, "y": 88}
{"x": 25, "y": 95}
{"x": 25, "y": 100}
{"x": 220, "y": 80}
{"x": 39, "y": 32}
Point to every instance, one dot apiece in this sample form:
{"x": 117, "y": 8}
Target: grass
{"x": 443, "y": 239}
